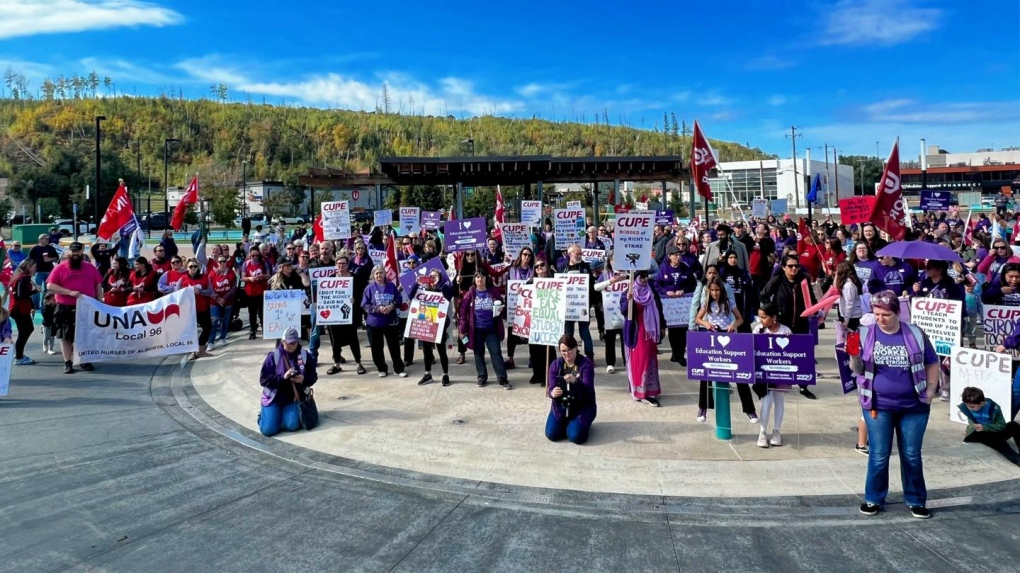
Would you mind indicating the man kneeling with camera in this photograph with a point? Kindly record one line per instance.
(572, 390)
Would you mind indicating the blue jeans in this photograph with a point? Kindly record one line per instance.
(40, 281)
(589, 348)
(275, 418)
(909, 426)
(1016, 397)
(575, 430)
(314, 338)
(488, 338)
(220, 321)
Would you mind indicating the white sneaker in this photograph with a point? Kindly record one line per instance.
(403, 374)
(221, 342)
(382, 374)
(763, 440)
(51, 352)
(209, 347)
(776, 439)
(610, 369)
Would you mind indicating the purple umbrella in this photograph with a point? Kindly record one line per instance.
(919, 250)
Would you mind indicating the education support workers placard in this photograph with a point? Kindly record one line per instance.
(720, 356)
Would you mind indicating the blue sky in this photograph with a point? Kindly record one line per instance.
(849, 73)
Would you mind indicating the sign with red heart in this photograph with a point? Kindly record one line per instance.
(334, 301)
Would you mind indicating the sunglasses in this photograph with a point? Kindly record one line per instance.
(882, 299)
(792, 266)
(1001, 247)
(539, 266)
(192, 266)
(175, 262)
(290, 248)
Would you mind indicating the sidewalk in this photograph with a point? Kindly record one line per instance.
(490, 434)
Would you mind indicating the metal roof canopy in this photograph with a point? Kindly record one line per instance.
(495, 170)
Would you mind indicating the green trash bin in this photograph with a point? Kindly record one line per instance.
(29, 234)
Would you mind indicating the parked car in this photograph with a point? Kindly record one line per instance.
(154, 222)
(256, 220)
(288, 221)
(66, 227)
(20, 220)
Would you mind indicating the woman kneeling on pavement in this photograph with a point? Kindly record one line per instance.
(572, 391)
(288, 375)
(898, 373)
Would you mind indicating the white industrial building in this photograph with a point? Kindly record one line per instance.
(742, 181)
(938, 157)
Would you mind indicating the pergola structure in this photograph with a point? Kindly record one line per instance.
(490, 171)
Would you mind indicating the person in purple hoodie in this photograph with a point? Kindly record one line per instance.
(676, 279)
(892, 274)
(480, 325)
(380, 302)
(288, 374)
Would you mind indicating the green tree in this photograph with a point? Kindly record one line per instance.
(222, 204)
(6, 211)
(870, 168)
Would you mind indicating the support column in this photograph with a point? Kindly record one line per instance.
(538, 188)
(378, 196)
(723, 424)
(459, 200)
(595, 203)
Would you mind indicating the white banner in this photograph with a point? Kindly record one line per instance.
(997, 323)
(516, 236)
(427, 316)
(591, 256)
(6, 356)
(521, 326)
(677, 310)
(334, 301)
(410, 221)
(336, 220)
(578, 303)
(759, 208)
(548, 312)
(988, 371)
(281, 309)
(940, 319)
(531, 213)
(634, 234)
(568, 225)
(383, 217)
(162, 327)
(611, 304)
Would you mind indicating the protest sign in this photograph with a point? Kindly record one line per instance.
(383, 217)
(574, 205)
(784, 359)
(720, 357)
(464, 234)
(426, 317)
(410, 221)
(409, 277)
(6, 355)
(935, 200)
(378, 257)
(162, 327)
(334, 301)
(318, 273)
(516, 236)
(940, 319)
(498, 277)
(759, 208)
(281, 309)
(521, 325)
(430, 220)
(611, 297)
(531, 213)
(336, 220)
(591, 256)
(513, 291)
(989, 371)
(677, 310)
(608, 242)
(664, 218)
(578, 303)
(568, 225)
(997, 323)
(549, 311)
(847, 378)
(779, 206)
(855, 209)
(634, 235)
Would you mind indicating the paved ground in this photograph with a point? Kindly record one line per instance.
(130, 469)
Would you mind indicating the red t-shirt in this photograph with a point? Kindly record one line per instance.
(202, 282)
(83, 280)
(223, 283)
(150, 284)
(809, 258)
(116, 290)
(162, 267)
(255, 286)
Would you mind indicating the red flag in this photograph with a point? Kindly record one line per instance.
(890, 209)
(118, 214)
(317, 228)
(500, 213)
(392, 270)
(968, 234)
(702, 161)
(190, 198)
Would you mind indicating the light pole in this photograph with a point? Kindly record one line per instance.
(244, 189)
(166, 183)
(99, 177)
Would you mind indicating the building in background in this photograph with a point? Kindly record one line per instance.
(985, 171)
(742, 181)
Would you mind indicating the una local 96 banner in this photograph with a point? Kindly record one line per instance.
(162, 327)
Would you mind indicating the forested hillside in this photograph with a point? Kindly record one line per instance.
(47, 145)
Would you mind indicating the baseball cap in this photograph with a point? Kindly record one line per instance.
(291, 335)
(75, 246)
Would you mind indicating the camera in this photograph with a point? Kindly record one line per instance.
(567, 400)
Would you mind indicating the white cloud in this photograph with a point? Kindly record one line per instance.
(124, 72)
(906, 111)
(211, 69)
(19, 18)
(777, 100)
(877, 22)
(33, 71)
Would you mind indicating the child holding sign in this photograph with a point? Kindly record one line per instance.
(770, 394)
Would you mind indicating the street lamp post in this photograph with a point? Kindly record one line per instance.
(166, 182)
(99, 177)
(244, 189)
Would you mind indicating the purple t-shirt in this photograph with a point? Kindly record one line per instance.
(483, 310)
(894, 385)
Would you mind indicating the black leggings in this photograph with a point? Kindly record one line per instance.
(389, 336)
(205, 323)
(25, 329)
(254, 312)
(611, 336)
(337, 333)
(678, 341)
(512, 342)
(706, 398)
(541, 358)
(440, 347)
